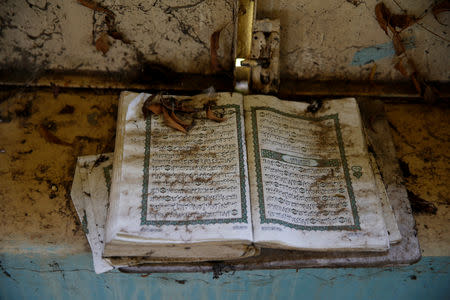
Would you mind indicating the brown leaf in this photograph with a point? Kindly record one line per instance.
(212, 116)
(383, 15)
(399, 67)
(179, 121)
(416, 83)
(214, 47)
(440, 8)
(113, 32)
(50, 137)
(155, 108)
(398, 44)
(392, 21)
(147, 103)
(102, 43)
(95, 6)
(402, 21)
(118, 36)
(171, 122)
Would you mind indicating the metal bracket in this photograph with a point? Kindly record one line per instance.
(265, 56)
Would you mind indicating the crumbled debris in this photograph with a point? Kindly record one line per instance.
(99, 160)
(420, 205)
(26, 111)
(356, 3)
(50, 137)
(68, 109)
(314, 106)
(404, 167)
(219, 268)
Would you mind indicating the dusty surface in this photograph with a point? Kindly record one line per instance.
(36, 175)
(39, 35)
(422, 137)
(36, 172)
(320, 39)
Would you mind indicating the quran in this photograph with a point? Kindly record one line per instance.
(272, 175)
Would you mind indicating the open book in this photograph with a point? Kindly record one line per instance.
(271, 175)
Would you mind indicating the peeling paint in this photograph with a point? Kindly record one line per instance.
(376, 52)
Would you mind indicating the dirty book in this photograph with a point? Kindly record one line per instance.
(271, 174)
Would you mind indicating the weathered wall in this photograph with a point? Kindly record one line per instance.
(341, 39)
(50, 277)
(61, 35)
(320, 40)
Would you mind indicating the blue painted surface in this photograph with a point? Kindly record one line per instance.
(36, 276)
(376, 52)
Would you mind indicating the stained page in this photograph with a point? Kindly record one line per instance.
(312, 186)
(86, 202)
(388, 213)
(171, 187)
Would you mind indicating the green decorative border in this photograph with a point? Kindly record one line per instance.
(263, 218)
(145, 182)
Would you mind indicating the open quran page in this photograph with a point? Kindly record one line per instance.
(170, 189)
(312, 185)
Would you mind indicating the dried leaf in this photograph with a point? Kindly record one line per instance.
(97, 7)
(155, 108)
(179, 121)
(383, 15)
(171, 122)
(102, 43)
(398, 44)
(212, 116)
(416, 83)
(402, 21)
(50, 137)
(399, 67)
(440, 8)
(118, 36)
(113, 32)
(148, 106)
(392, 21)
(214, 47)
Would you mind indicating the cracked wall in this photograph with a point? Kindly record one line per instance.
(341, 39)
(60, 35)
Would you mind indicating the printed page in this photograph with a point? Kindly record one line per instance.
(172, 187)
(312, 186)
